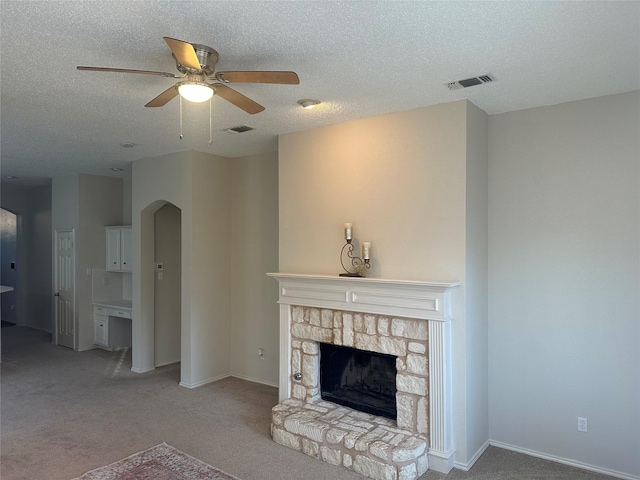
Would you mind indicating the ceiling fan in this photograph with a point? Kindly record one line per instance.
(196, 63)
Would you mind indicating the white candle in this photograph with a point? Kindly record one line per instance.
(366, 250)
(348, 231)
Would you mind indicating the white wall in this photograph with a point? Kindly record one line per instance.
(564, 231)
(156, 181)
(476, 285)
(254, 249)
(402, 180)
(198, 184)
(100, 200)
(86, 203)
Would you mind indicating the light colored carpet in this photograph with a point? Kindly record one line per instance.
(162, 462)
(64, 413)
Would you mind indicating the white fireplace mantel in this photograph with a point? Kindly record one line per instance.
(429, 301)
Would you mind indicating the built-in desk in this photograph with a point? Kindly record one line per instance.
(112, 324)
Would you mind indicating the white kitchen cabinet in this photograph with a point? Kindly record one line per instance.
(101, 326)
(119, 249)
(112, 326)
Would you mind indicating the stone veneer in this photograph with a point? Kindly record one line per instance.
(371, 445)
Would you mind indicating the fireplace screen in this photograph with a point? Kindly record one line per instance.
(358, 379)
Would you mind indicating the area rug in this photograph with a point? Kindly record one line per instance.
(162, 462)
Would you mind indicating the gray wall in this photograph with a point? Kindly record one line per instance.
(564, 280)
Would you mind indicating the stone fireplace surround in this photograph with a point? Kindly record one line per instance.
(407, 319)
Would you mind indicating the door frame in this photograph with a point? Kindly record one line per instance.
(55, 284)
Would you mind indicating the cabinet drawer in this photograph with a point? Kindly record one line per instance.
(119, 312)
(100, 310)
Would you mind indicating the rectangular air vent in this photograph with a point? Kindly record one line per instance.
(240, 129)
(470, 82)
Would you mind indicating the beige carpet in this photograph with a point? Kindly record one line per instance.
(162, 462)
(64, 413)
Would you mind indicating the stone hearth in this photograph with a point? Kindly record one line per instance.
(408, 320)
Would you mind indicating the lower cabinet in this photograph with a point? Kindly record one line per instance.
(119, 318)
(101, 330)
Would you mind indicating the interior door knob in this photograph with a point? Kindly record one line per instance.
(57, 294)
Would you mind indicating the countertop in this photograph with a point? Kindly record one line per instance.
(110, 303)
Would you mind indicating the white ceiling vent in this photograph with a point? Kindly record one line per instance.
(240, 129)
(470, 82)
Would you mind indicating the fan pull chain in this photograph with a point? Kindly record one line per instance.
(210, 122)
(180, 98)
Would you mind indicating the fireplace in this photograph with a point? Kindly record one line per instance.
(407, 321)
(364, 381)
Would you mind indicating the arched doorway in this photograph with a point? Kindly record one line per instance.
(167, 284)
(158, 326)
(9, 261)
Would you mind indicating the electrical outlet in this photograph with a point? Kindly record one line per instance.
(261, 353)
(582, 424)
(105, 280)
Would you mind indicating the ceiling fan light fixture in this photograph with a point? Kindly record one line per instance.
(308, 103)
(195, 92)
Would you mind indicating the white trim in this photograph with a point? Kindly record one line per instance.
(204, 382)
(164, 364)
(142, 370)
(442, 462)
(253, 380)
(429, 301)
(467, 466)
(400, 298)
(565, 461)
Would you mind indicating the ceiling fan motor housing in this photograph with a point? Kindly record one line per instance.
(207, 57)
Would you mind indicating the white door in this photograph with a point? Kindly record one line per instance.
(65, 288)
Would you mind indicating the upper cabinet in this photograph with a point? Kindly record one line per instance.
(119, 249)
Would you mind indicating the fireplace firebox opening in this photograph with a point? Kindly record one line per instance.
(359, 379)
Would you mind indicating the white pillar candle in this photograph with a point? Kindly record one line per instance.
(348, 231)
(366, 250)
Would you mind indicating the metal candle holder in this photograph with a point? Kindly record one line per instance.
(356, 261)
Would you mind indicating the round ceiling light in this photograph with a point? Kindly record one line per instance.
(195, 92)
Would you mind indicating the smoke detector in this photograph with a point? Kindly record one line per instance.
(470, 82)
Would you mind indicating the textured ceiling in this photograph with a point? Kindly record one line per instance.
(359, 58)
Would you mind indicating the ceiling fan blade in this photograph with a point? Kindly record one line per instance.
(184, 52)
(127, 70)
(288, 78)
(239, 100)
(163, 98)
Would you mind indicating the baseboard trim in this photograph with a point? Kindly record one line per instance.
(441, 462)
(467, 466)
(227, 375)
(204, 382)
(254, 380)
(142, 370)
(170, 362)
(565, 461)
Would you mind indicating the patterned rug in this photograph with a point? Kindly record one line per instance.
(162, 462)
